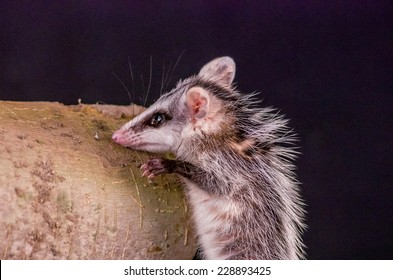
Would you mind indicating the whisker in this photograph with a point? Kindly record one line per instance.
(132, 85)
(143, 90)
(125, 87)
(162, 78)
(174, 67)
(167, 75)
(150, 77)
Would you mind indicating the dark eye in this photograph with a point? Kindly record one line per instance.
(157, 119)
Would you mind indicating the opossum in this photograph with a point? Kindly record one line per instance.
(236, 161)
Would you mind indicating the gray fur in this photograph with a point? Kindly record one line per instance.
(238, 174)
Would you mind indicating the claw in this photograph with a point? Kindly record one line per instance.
(153, 167)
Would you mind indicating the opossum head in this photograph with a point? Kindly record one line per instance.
(190, 111)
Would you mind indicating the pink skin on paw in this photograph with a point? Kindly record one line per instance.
(152, 168)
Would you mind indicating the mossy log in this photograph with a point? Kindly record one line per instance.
(68, 192)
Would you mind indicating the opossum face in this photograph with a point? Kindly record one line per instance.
(155, 130)
(187, 112)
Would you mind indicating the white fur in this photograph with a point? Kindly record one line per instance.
(207, 212)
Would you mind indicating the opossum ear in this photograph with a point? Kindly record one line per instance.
(197, 102)
(220, 70)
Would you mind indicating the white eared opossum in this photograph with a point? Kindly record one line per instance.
(235, 161)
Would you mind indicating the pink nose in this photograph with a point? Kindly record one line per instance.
(116, 136)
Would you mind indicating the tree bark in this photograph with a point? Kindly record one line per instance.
(68, 192)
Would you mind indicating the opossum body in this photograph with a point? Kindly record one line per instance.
(235, 161)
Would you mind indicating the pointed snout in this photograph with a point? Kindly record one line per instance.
(117, 136)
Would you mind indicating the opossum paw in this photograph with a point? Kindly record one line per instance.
(154, 167)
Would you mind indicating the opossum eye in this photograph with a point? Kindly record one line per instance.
(157, 119)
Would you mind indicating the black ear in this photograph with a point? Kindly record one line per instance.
(220, 70)
(197, 101)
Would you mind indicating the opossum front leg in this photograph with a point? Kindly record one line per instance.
(158, 166)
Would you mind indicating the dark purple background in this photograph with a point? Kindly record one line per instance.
(328, 67)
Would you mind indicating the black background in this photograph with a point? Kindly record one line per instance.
(327, 65)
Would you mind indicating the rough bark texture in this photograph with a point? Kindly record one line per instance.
(68, 192)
